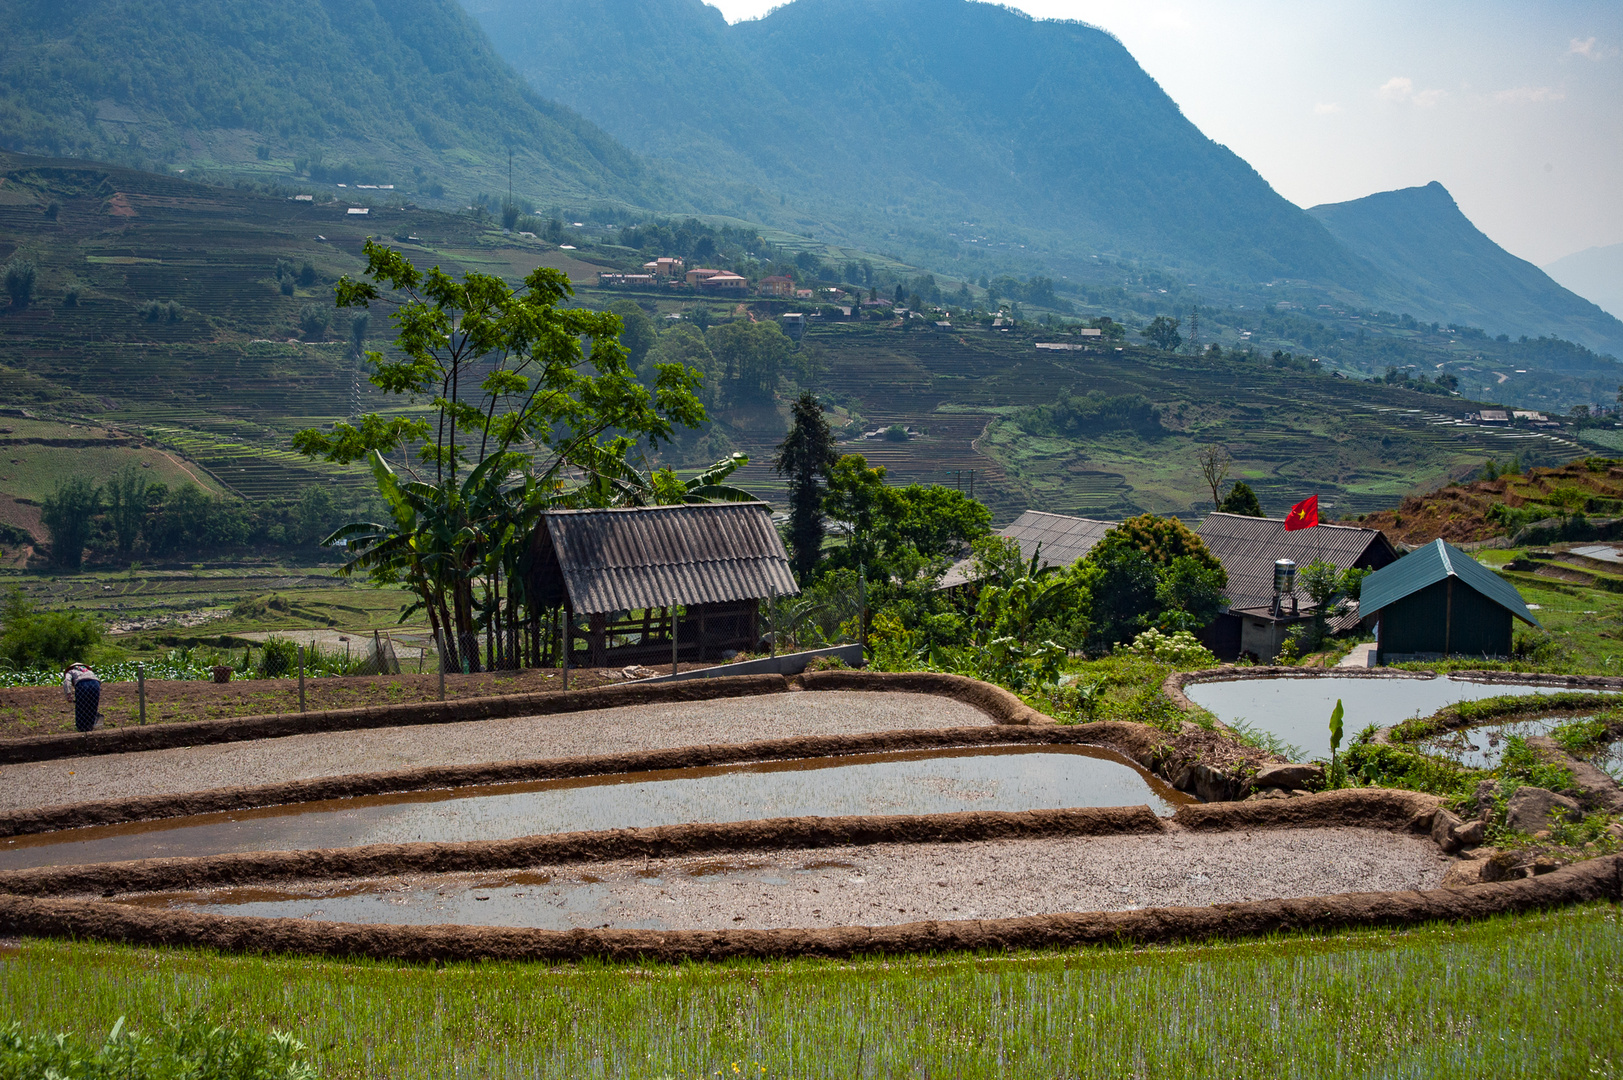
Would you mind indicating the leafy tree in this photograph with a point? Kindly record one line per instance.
(753, 356)
(307, 274)
(532, 402)
(314, 320)
(20, 279)
(685, 344)
(937, 522)
(639, 332)
(126, 507)
(1093, 413)
(1190, 593)
(1163, 333)
(805, 457)
(315, 515)
(1162, 539)
(359, 323)
(66, 514)
(1152, 570)
(1121, 580)
(1241, 500)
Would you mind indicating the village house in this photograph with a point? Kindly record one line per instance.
(1437, 602)
(1251, 549)
(723, 283)
(778, 285)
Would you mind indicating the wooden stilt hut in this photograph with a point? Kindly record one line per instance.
(630, 579)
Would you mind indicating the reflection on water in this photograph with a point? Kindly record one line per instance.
(1609, 760)
(1483, 746)
(915, 782)
(1298, 710)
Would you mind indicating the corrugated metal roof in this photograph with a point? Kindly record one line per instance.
(705, 553)
(1248, 547)
(1063, 540)
(1436, 562)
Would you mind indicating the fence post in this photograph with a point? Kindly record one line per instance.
(771, 619)
(564, 633)
(673, 635)
(439, 647)
(141, 689)
(301, 678)
(862, 610)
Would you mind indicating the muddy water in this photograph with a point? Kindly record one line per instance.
(917, 782)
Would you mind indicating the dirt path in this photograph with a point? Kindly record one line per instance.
(598, 731)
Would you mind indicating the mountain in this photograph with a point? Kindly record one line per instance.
(1595, 274)
(406, 92)
(1451, 272)
(965, 130)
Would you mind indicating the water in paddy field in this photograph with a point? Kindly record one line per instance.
(1483, 746)
(914, 782)
(1298, 710)
(1609, 760)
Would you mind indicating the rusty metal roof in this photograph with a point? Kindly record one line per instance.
(1063, 540)
(1248, 547)
(703, 553)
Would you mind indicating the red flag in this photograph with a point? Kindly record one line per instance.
(1304, 515)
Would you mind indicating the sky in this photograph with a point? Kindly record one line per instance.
(1516, 108)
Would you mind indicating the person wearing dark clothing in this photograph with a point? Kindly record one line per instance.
(82, 688)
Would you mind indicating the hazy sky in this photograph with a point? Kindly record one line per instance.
(1517, 108)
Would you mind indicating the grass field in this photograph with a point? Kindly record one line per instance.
(1526, 996)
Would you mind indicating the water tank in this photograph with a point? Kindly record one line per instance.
(1284, 577)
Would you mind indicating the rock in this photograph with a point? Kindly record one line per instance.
(1289, 777)
(1268, 793)
(1443, 824)
(1544, 864)
(1501, 866)
(1615, 830)
(1470, 834)
(1463, 874)
(1212, 785)
(1483, 798)
(1532, 809)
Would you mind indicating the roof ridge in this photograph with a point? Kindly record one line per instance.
(1442, 551)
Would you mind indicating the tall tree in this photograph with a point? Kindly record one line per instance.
(1215, 463)
(127, 507)
(806, 456)
(1163, 333)
(66, 514)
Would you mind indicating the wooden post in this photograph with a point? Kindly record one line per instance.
(439, 643)
(301, 678)
(141, 689)
(772, 620)
(565, 632)
(1448, 619)
(673, 635)
(862, 609)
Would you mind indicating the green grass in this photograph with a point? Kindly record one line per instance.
(1532, 995)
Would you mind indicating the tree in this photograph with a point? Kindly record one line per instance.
(858, 499)
(1215, 463)
(530, 401)
(1152, 570)
(359, 323)
(31, 639)
(805, 457)
(66, 514)
(1241, 500)
(638, 333)
(753, 356)
(1161, 539)
(1190, 594)
(314, 320)
(1163, 334)
(684, 344)
(127, 507)
(1122, 582)
(20, 279)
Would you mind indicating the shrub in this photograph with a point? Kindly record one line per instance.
(20, 278)
(66, 514)
(287, 286)
(1179, 650)
(279, 657)
(31, 639)
(71, 297)
(52, 210)
(307, 274)
(161, 311)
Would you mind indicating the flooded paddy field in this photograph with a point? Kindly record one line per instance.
(882, 884)
(913, 782)
(1297, 710)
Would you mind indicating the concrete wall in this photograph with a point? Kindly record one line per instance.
(786, 664)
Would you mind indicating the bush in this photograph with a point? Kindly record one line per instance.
(71, 297)
(1179, 650)
(279, 658)
(287, 286)
(20, 278)
(31, 639)
(307, 274)
(191, 1049)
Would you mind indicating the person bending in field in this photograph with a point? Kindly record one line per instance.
(83, 689)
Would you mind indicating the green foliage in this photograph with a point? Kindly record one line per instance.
(1179, 650)
(20, 278)
(893, 531)
(1583, 736)
(1189, 593)
(1093, 414)
(1147, 571)
(1521, 765)
(32, 639)
(278, 658)
(1163, 333)
(753, 357)
(1387, 765)
(638, 334)
(126, 496)
(66, 514)
(313, 321)
(1241, 500)
(187, 1049)
(805, 458)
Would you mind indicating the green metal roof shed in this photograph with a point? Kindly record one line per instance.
(1438, 601)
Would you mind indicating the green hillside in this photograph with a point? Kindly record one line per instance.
(963, 132)
(1451, 272)
(407, 93)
